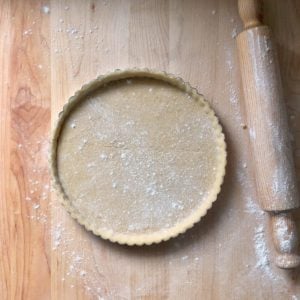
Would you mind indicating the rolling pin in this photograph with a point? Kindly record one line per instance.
(267, 122)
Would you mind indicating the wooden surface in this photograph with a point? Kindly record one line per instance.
(47, 51)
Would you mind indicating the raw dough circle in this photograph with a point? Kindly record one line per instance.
(137, 156)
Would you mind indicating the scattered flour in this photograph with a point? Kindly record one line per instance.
(261, 250)
(252, 207)
(80, 264)
(27, 32)
(103, 156)
(252, 133)
(114, 185)
(284, 235)
(57, 235)
(35, 206)
(46, 9)
(151, 191)
(33, 152)
(234, 33)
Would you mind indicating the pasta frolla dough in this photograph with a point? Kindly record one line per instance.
(137, 156)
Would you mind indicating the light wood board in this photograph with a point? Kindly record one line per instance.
(47, 51)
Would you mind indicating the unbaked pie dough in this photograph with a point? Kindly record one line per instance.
(137, 156)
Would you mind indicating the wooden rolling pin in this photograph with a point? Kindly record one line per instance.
(268, 132)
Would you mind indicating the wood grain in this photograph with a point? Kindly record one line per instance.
(72, 43)
(25, 119)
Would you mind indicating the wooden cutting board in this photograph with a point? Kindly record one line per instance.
(47, 51)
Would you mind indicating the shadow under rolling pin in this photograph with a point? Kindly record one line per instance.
(268, 131)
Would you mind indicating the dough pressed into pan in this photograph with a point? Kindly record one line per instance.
(137, 156)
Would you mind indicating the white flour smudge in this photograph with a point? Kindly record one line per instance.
(46, 9)
(261, 250)
(284, 235)
(252, 133)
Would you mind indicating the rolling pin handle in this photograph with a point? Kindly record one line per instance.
(285, 238)
(250, 12)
